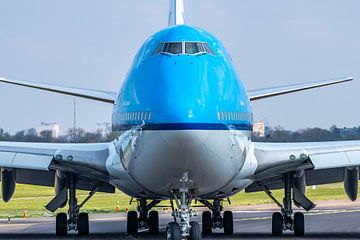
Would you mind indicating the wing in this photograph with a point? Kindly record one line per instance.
(102, 96)
(36, 163)
(323, 162)
(42, 156)
(96, 167)
(276, 91)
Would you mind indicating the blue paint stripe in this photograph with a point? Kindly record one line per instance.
(186, 126)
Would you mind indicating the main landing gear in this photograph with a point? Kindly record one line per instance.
(145, 219)
(212, 220)
(286, 219)
(74, 220)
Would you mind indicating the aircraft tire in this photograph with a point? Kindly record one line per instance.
(83, 224)
(154, 222)
(195, 232)
(61, 224)
(132, 222)
(173, 231)
(228, 223)
(277, 224)
(299, 224)
(206, 222)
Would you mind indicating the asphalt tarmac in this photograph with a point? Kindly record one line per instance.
(320, 224)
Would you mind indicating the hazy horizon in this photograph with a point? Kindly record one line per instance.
(91, 44)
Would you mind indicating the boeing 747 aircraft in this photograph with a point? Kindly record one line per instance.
(182, 125)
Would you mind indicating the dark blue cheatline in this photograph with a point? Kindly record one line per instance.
(186, 126)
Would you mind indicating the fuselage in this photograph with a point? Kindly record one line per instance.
(187, 111)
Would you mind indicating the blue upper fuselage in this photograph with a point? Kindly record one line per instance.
(182, 91)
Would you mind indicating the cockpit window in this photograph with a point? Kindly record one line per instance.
(193, 48)
(159, 49)
(208, 49)
(189, 48)
(173, 48)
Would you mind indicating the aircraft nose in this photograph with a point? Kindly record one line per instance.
(184, 139)
(208, 156)
(183, 112)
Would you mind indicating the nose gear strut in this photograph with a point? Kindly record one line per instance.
(183, 197)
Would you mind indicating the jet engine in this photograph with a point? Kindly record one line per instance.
(351, 181)
(8, 183)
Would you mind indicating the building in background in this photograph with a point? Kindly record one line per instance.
(54, 128)
(349, 132)
(259, 129)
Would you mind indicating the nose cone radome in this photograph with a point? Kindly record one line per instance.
(185, 139)
(204, 154)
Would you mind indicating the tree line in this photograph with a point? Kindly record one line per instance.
(279, 134)
(275, 134)
(72, 135)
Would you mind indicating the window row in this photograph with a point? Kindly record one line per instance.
(135, 116)
(178, 48)
(235, 116)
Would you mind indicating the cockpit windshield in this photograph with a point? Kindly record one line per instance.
(186, 48)
(173, 48)
(193, 48)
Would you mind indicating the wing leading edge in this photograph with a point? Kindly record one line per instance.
(324, 161)
(40, 156)
(102, 96)
(322, 155)
(286, 89)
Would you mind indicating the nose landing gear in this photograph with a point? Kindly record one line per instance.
(185, 228)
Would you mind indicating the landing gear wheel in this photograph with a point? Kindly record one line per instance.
(299, 224)
(61, 224)
(173, 231)
(228, 223)
(132, 222)
(277, 224)
(195, 232)
(83, 224)
(153, 222)
(206, 222)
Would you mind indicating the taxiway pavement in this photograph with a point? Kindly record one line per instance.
(320, 224)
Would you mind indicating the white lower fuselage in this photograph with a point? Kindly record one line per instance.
(218, 162)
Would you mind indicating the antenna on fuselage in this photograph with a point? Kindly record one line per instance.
(176, 13)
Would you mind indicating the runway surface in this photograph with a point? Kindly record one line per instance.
(320, 224)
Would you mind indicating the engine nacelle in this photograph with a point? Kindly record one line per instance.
(351, 181)
(8, 183)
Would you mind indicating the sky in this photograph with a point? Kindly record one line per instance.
(91, 44)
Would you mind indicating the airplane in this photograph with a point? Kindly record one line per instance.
(182, 125)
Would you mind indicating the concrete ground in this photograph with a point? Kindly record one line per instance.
(328, 221)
